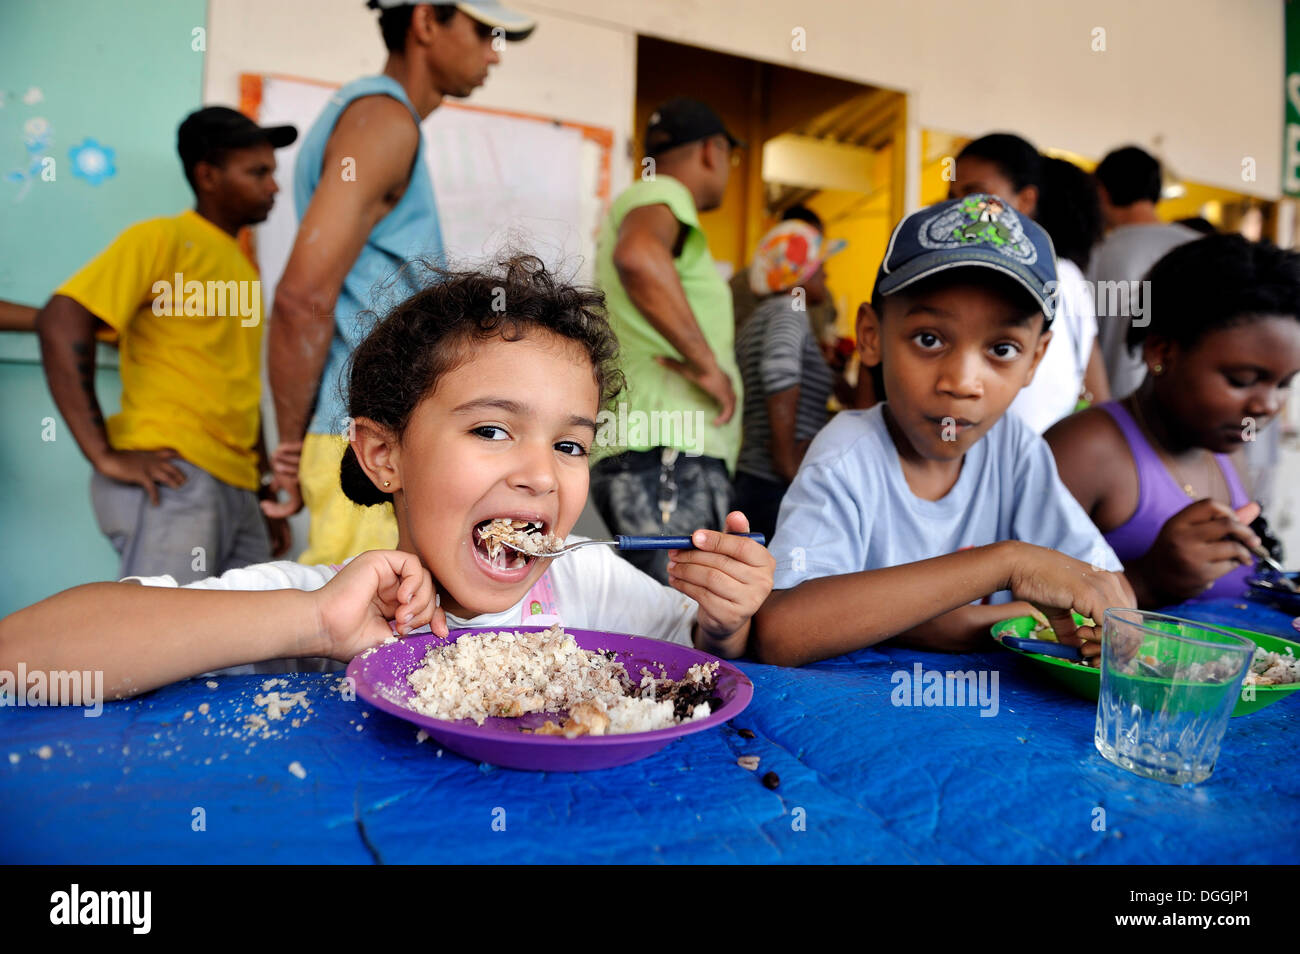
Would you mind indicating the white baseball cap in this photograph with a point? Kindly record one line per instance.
(488, 12)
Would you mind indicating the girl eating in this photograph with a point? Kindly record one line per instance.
(1160, 471)
(476, 399)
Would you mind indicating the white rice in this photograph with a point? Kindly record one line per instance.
(508, 674)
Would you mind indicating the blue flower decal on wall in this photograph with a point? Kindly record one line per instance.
(92, 162)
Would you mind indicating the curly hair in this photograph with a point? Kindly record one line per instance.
(435, 330)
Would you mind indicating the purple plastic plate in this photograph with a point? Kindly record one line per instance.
(381, 680)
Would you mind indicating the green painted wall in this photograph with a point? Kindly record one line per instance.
(122, 73)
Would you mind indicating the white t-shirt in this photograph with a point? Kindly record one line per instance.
(593, 588)
(1055, 389)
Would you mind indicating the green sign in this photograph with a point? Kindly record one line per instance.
(1291, 132)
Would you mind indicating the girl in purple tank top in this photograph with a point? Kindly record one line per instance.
(1155, 471)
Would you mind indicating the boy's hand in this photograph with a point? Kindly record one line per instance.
(354, 608)
(1057, 584)
(729, 576)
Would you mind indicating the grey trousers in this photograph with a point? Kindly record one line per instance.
(202, 528)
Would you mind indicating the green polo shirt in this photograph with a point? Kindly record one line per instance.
(658, 407)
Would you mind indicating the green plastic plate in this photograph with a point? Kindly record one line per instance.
(1085, 682)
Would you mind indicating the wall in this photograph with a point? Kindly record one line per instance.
(1204, 74)
(63, 64)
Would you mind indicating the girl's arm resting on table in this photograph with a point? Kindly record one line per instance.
(143, 637)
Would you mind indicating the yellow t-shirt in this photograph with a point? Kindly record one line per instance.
(187, 306)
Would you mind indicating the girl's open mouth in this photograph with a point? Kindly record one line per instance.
(501, 562)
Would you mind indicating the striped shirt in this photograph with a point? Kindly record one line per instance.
(776, 351)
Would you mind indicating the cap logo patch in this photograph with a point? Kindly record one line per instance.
(978, 220)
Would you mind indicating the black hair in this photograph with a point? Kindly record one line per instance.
(1069, 210)
(431, 333)
(1015, 158)
(801, 213)
(1130, 175)
(395, 21)
(1199, 224)
(1216, 282)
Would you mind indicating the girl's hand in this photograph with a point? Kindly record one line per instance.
(1195, 547)
(353, 609)
(729, 576)
(1057, 584)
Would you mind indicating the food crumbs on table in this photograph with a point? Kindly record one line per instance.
(440, 753)
(749, 762)
(297, 769)
(44, 752)
(13, 758)
(421, 736)
(365, 715)
(360, 727)
(745, 733)
(771, 780)
(189, 714)
(203, 708)
(211, 684)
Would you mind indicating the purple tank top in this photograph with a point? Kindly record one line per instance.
(1160, 497)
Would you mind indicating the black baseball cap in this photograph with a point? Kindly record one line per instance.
(680, 121)
(214, 128)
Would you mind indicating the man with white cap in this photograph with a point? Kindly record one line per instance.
(365, 204)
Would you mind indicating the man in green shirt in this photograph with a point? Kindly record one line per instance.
(663, 457)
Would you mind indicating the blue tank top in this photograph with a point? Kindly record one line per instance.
(409, 230)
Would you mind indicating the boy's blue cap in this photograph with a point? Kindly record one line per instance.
(978, 230)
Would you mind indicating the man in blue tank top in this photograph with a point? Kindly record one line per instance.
(365, 206)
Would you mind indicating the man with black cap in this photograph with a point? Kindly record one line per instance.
(365, 206)
(178, 470)
(663, 467)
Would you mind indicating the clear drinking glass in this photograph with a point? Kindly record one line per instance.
(1168, 687)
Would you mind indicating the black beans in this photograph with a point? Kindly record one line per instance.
(771, 780)
(746, 733)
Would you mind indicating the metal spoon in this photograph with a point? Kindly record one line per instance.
(1283, 581)
(624, 542)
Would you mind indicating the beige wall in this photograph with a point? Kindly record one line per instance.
(1205, 75)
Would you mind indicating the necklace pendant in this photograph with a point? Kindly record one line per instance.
(1187, 489)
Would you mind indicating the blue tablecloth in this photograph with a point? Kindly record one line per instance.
(861, 780)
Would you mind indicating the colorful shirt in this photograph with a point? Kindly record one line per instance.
(187, 306)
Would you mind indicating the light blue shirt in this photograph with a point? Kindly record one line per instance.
(850, 508)
(376, 280)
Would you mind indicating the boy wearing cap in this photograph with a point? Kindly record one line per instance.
(869, 536)
(365, 208)
(178, 470)
(672, 312)
(787, 380)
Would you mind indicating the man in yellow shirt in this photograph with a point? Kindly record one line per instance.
(179, 470)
